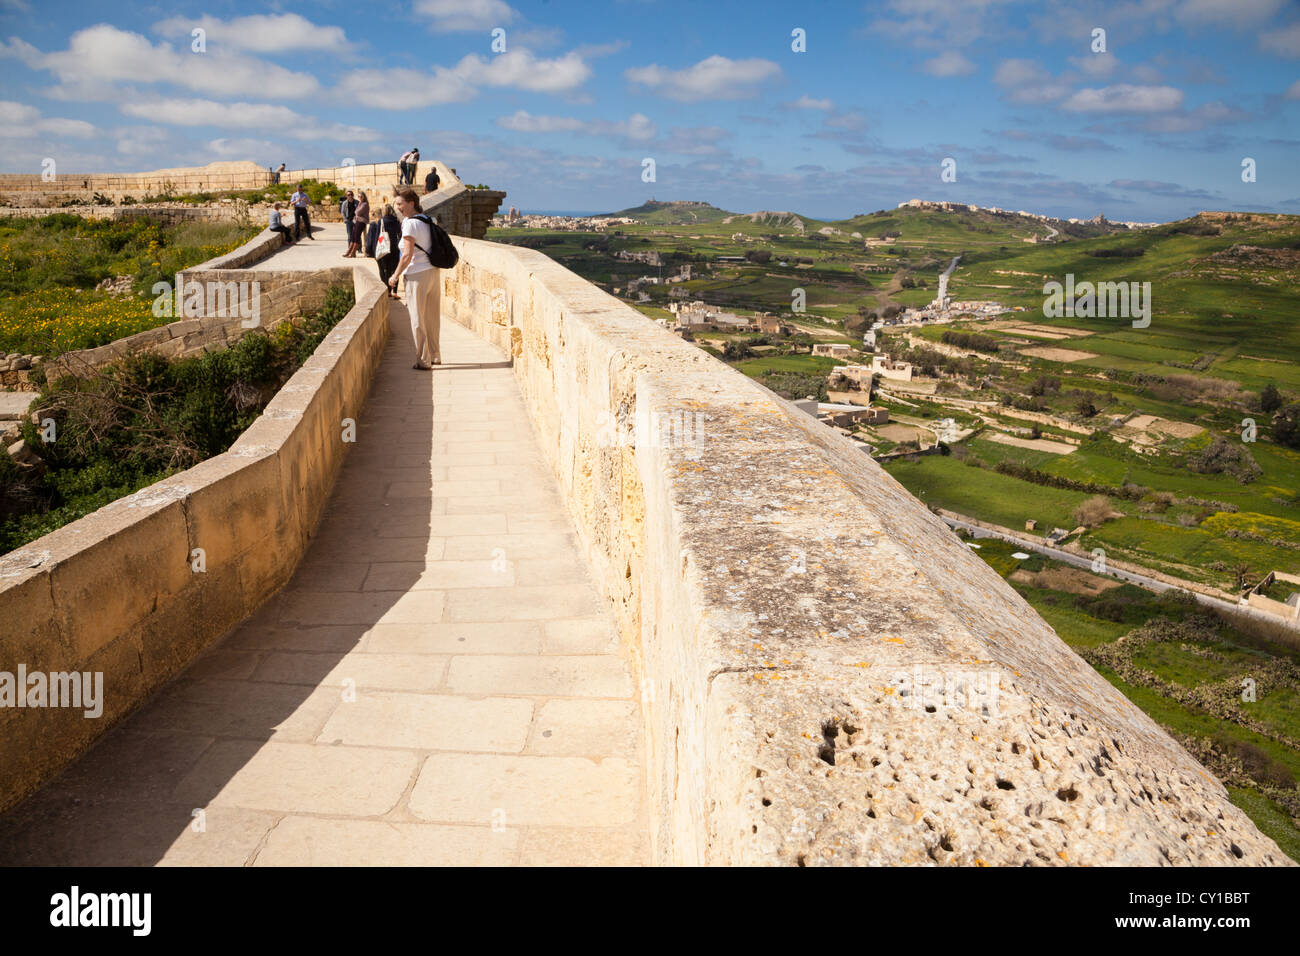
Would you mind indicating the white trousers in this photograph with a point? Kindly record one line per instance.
(424, 302)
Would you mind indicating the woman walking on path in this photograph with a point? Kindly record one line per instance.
(360, 217)
(423, 296)
(391, 226)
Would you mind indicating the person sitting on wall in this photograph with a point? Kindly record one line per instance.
(431, 181)
(277, 225)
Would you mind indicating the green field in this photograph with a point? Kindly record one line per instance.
(1215, 653)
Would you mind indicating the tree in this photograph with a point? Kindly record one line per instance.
(1270, 399)
(1286, 426)
(1085, 408)
(734, 351)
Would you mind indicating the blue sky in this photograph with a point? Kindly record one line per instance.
(1155, 128)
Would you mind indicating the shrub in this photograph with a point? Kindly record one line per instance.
(138, 420)
(1221, 456)
(1094, 512)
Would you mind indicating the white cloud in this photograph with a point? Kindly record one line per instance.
(1125, 98)
(1283, 42)
(20, 121)
(636, 127)
(182, 112)
(1293, 91)
(259, 33)
(251, 116)
(520, 70)
(240, 148)
(1095, 66)
(404, 89)
(102, 55)
(713, 78)
(941, 24)
(1026, 81)
(141, 140)
(462, 16)
(1186, 121)
(852, 120)
(806, 102)
(18, 49)
(1229, 12)
(317, 131)
(948, 63)
(523, 122)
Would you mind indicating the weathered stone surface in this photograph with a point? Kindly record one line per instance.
(121, 586)
(793, 611)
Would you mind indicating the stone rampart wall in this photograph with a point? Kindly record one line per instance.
(829, 675)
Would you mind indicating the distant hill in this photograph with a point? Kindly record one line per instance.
(789, 219)
(673, 213)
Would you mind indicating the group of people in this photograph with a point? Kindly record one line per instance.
(406, 257)
(406, 166)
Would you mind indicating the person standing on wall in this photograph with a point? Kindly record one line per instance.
(411, 165)
(423, 296)
(360, 216)
(402, 165)
(387, 255)
(300, 202)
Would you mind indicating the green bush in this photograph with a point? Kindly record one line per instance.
(145, 417)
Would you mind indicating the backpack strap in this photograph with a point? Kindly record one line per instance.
(427, 221)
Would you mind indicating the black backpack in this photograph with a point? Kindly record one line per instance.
(443, 254)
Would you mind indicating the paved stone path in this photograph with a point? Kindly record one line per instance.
(439, 684)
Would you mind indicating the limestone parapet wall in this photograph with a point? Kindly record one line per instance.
(829, 675)
(462, 211)
(114, 592)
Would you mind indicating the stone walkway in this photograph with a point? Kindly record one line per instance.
(439, 684)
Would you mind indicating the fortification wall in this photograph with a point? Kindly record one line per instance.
(829, 675)
(463, 211)
(114, 592)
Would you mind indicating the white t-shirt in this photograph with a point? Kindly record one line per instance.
(423, 236)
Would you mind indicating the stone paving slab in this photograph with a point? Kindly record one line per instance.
(439, 684)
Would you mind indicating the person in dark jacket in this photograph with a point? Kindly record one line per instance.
(431, 181)
(392, 226)
(360, 216)
(347, 207)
